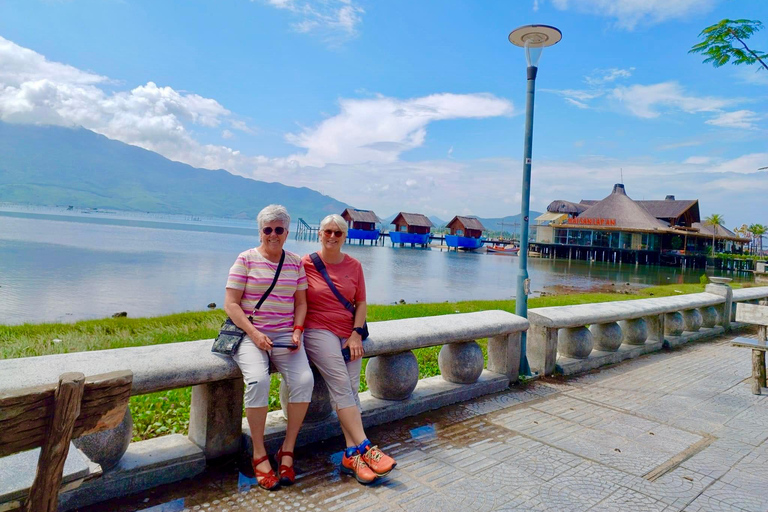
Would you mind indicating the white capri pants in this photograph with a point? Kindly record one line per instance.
(343, 379)
(292, 365)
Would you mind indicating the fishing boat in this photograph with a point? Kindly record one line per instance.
(500, 249)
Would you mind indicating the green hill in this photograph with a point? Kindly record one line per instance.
(51, 165)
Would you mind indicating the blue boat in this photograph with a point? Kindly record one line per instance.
(398, 237)
(463, 242)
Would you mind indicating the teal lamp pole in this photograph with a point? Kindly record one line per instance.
(534, 38)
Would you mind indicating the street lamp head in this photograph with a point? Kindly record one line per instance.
(534, 38)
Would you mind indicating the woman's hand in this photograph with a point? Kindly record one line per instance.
(262, 341)
(355, 344)
(296, 339)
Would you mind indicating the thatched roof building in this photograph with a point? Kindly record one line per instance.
(469, 226)
(412, 223)
(360, 219)
(560, 206)
(619, 212)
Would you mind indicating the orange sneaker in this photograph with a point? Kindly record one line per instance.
(355, 465)
(378, 461)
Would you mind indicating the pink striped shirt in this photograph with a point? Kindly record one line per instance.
(253, 274)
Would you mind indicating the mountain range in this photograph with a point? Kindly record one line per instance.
(51, 165)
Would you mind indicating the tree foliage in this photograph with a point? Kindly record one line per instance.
(715, 220)
(726, 40)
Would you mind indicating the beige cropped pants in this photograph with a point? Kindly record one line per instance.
(343, 379)
(292, 365)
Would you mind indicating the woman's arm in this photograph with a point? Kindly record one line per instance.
(299, 314)
(235, 312)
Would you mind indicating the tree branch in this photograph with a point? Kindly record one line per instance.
(748, 49)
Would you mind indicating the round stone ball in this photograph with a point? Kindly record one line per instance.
(606, 337)
(692, 320)
(709, 317)
(107, 448)
(674, 324)
(392, 377)
(635, 331)
(319, 408)
(574, 342)
(461, 363)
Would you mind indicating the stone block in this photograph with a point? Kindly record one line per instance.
(106, 448)
(214, 417)
(461, 363)
(541, 349)
(392, 377)
(504, 354)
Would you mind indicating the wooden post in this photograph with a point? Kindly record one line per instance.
(44, 494)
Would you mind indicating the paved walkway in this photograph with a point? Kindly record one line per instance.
(670, 431)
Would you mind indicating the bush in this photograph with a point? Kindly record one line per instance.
(703, 279)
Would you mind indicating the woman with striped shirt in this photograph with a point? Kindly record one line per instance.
(275, 333)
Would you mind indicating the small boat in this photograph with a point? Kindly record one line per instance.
(500, 249)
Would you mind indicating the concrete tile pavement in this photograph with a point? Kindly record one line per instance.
(671, 431)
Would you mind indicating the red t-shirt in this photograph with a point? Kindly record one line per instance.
(324, 311)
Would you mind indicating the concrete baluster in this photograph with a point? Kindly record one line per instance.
(392, 377)
(504, 355)
(692, 320)
(634, 332)
(674, 324)
(709, 317)
(725, 291)
(606, 337)
(655, 328)
(461, 363)
(574, 342)
(215, 417)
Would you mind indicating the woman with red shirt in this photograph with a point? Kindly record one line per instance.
(331, 328)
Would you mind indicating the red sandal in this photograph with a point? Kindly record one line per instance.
(266, 479)
(287, 473)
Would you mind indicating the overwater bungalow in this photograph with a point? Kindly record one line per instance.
(410, 228)
(619, 229)
(466, 233)
(362, 225)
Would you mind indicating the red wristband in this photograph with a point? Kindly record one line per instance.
(298, 327)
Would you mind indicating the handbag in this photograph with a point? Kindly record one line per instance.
(230, 335)
(320, 266)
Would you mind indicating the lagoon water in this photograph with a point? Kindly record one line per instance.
(60, 266)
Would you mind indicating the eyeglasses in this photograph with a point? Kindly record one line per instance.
(279, 230)
(329, 232)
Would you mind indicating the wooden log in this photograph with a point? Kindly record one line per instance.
(44, 494)
(758, 371)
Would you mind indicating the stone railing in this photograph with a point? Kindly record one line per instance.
(216, 426)
(572, 339)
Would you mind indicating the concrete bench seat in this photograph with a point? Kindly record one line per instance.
(605, 312)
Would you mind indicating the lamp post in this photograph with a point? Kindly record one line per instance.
(534, 38)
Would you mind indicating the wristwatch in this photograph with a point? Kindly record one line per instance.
(358, 330)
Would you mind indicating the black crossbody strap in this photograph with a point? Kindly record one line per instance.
(272, 286)
(320, 266)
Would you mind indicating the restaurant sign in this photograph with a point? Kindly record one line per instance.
(592, 222)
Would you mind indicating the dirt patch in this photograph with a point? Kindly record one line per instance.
(618, 288)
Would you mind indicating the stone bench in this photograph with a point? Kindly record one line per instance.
(572, 339)
(216, 428)
(755, 315)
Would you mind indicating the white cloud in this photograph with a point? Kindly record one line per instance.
(754, 75)
(380, 129)
(333, 19)
(646, 100)
(603, 76)
(630, 13)
(226, 134)
(698, 160)
(738, 119)
(576, 103)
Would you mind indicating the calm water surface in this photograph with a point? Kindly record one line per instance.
(64, 268)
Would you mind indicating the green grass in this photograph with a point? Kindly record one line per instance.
(167, 412)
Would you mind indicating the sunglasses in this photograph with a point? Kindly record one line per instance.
(329, 232)
(278, 230)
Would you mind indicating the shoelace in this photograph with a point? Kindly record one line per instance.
(357, 461)
(374, 453)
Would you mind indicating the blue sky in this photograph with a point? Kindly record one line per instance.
(406, 105)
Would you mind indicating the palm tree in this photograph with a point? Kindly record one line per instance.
(714, 220)
(752, 228)
(759, 231)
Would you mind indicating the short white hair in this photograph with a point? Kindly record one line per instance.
(272, 213)
(336, 219)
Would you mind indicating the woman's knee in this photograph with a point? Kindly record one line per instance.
(300, 386)
(257, 393)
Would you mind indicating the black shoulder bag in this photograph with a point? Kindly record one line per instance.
(320, 266)
(230, 335)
